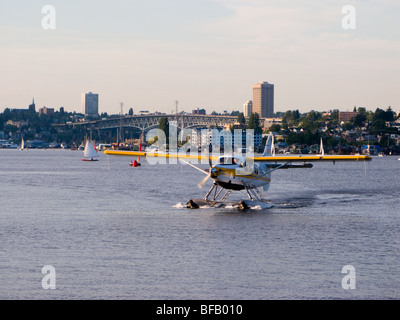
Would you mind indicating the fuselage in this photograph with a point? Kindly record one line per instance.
(232, 173)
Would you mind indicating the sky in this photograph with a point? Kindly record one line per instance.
(201, 53)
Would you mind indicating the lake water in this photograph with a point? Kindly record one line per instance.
(116, 232)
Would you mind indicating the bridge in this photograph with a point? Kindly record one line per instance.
(150, 121)
(118, 128)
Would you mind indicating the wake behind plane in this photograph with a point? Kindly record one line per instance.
(237, 172)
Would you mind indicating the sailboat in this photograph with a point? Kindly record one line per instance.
(90, 153)
(22, 145)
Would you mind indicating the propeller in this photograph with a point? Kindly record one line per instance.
(203, 182)
(205, 179)
(209, 171)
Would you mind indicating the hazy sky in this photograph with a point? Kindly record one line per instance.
(203, 53)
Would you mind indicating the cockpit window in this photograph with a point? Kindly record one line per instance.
(228, 160)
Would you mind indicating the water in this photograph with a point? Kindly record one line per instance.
(116, 232)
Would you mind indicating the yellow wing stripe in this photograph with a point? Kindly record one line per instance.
(157, 154)
(307, 158)
(292, 158)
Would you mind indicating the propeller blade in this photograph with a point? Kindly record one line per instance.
(203, 182)
(201, 170)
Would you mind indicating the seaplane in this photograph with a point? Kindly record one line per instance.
(233, 172)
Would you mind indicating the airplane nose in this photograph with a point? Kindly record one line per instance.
(213, 172)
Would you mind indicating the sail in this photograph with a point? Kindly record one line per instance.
(321, 148)
(90, 151)
(269, 146)
(22, 144)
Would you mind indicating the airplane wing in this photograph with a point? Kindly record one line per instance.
(159, 154)
(267, 156)
(263, 158)
(270, 156)
(311, 158)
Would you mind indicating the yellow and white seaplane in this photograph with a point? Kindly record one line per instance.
(236, 172)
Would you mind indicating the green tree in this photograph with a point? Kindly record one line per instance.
(274, 128)
(254, 123)
(358, 120)
(240, 119)
(7, 114)
(384, 141)
(335, 116)
(378, 126)
(290, 118)
(389, 114)
(164, 126)
(362, 110)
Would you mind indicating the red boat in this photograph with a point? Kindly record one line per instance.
(136, 163)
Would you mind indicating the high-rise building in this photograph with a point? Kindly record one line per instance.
(263, 99)
(90, 104)
(248, 108)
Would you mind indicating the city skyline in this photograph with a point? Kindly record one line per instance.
(205, 54)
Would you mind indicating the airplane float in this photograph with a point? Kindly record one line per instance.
(235, 173)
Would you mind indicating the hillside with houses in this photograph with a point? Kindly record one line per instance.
(358, 131)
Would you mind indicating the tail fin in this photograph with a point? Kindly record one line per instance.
(269, 146)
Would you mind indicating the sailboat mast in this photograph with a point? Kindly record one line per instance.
(120, 125)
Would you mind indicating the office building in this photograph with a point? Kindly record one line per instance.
(263, 99)
(248, 108)
(346, 116)
(90, 104)
(46, 110)
(199, 111)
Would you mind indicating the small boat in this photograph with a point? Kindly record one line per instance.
(136, 163)
(90, 153)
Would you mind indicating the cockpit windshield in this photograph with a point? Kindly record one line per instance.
(229, 160)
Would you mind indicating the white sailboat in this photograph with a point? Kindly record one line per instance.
(22, 144)
(90, 153)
